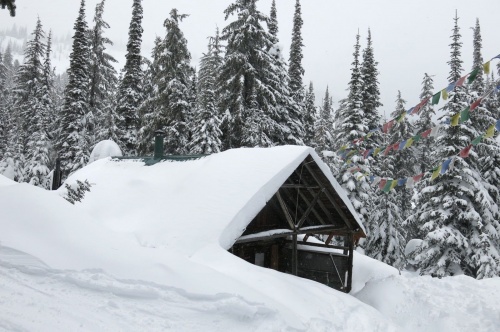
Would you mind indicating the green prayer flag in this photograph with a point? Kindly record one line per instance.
(387, 186)
(417, 138)
(465, 114)
(435, 98)
(477, 140)
(473, 75)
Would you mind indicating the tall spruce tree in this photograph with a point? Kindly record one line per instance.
(206, 134)
(323, 125)
(249, 69)
(404, 159)
(103, 81)
(370, 90)
(171, 101)
(451, 208)
(72, 142)
(296, 70)
(310, 117)
(425, 122)
(130, 95)
(353, 127)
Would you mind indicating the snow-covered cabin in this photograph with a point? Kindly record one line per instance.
(268, 206)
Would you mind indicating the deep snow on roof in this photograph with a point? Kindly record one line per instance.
(187, 205)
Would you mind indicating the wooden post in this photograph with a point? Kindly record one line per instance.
(294, 255)
(56, 176)
(350, 263)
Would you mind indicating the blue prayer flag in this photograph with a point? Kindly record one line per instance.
(445, 166)
(451, 87)
(402, 145)
(497, 126)
(401, 182)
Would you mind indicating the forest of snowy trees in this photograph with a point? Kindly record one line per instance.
(434, 176)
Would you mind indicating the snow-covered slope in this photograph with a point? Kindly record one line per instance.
(138, 254)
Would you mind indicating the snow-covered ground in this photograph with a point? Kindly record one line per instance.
(146, 250)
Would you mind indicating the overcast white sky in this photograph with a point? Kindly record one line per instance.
(410, 37)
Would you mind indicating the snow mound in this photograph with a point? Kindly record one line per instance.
(103, 149)
(5, 181)
(429, 304)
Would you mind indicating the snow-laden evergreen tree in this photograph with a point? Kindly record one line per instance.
(485, 237)
(150, 119)
(455, 209)
(353, 126)
(425, 122)
(296, 70)
(370, 90)
(206, 133)
(323, 125)
(310, 117)
(385, 234)
(130, 95)
(404, 159)
(103, 81)
(3, 113)
(72, 141)
(173, 86)
(272, 24)
(248, 63)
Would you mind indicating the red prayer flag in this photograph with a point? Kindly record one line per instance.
(475, 104)
(395, 147)
(465, 151)
(387, 126)
(426, 133)
(365, 153)
(461, 81)
(387, 150)
(382, 183)
(419, 177)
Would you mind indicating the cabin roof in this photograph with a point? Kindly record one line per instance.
(224, 191)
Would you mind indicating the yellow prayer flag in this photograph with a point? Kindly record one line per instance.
(393, 184)
(377, 151)
(490, 132)
(436, 172)
(455, 119)
(369, 135)
(343, 147)
(349, 161)
(401, 117)
(486, 67)
(444, 94)
(409, 142)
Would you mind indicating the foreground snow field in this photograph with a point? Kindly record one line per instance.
(144, 251)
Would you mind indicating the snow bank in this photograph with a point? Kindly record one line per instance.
(5, 181)
(428, 304)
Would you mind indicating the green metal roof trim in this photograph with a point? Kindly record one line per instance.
(148, 161)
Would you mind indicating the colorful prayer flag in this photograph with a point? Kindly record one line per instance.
(465, 151)
(387, 126)
(435, 98)
(387, 150)
(343, 147)
(475, 104)
(496, 57)
(393, 184)
(382, 183)
(444, 94)
(490, 132)
(410, 183)
(486, 67)
(477, 140)
(395, 146)
(426, 133)
(473, 75)
(376, 180)
(401, 117)
(461, 81)
(435, 132)
(497, 126)
(372, 178)
(464, 115)
(402, 145)
(454, 119)
(450, 87)
(402, 182)
(410, 111)
(435, 173)
(376, 152)
(419, 177)
(365, 153)
(387, 186)
(409, 142)
(417, 138)
(445, 165)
